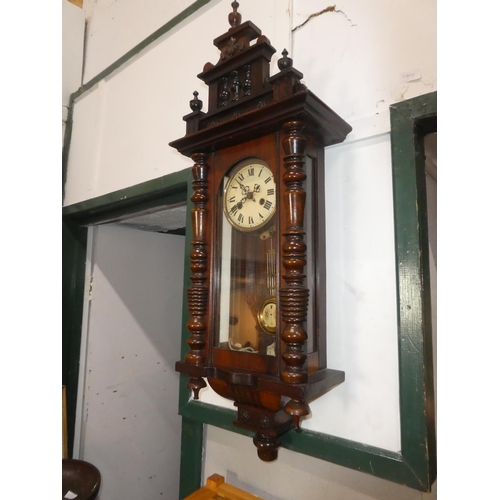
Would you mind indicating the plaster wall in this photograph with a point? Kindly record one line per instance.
(120, 25)
(121, 135)
(128, 425)
(293, 476)
(73, 29)
(359, 57)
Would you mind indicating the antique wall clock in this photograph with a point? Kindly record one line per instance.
(257, 299)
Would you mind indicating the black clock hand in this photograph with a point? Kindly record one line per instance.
(244, 189)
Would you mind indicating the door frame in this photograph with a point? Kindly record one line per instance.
(171, 189)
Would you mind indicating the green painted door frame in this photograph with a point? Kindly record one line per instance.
(168, 190)
(172, 189)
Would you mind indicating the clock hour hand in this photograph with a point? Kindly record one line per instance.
(249, 195)
(244, 189)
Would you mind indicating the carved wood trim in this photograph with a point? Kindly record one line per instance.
(294, 295)
(198, 292)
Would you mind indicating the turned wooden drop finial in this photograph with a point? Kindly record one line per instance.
(234, 17)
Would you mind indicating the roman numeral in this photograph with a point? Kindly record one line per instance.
(260, 172)
(232, 199)
(250, 172)
(241, 177)
(261, 216)
(268, 205)
(267, 180)
(250, 219)
(240, 218)
(270, 192)
(233, 210)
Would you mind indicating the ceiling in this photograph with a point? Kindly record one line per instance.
(170, 219)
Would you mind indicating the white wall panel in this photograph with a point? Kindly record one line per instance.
(361, 298)
(73, 29)
(85, 147)
(142, 104)
(130, 426)
(115, 27)
(358, 60)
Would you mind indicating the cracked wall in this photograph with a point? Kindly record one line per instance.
(365, 51)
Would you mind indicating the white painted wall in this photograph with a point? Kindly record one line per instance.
(73, 29)
(129, 427)
(122, 130)
(294, 476)
(121, 25)
(359, 60)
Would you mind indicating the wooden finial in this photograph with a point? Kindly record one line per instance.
(195, 104)
(285, 61)
(234, 17)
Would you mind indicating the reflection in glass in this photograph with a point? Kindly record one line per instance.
(247, 284)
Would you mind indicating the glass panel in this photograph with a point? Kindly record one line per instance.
(247, 280)
(310, 268)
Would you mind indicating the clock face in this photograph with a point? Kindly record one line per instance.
(267, 315)
(250, 195)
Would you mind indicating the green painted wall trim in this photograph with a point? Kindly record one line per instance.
(74, 247)
(415, 464)
(378, 462)
(169, 189)
(191, 457)
(410, 121)
(66, 142)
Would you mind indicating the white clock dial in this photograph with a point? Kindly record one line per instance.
(250, 196)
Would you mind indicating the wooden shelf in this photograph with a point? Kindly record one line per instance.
(217, 489)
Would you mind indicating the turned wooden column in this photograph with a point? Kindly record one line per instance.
(198, 292)
(294, 295)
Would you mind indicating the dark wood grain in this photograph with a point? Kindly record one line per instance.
(198, 291)
(294, 295)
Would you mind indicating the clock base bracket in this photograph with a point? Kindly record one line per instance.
(261, 400)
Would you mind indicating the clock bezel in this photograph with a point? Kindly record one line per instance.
(235, 169)
(260, 316)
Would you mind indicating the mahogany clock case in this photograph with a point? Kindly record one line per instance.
(269, 149)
